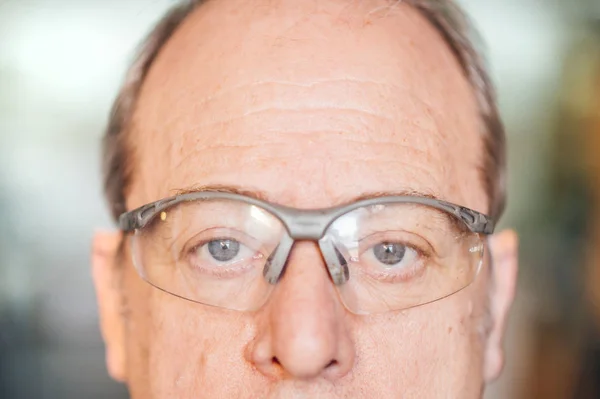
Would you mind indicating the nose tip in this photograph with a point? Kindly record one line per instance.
(305, 356)
(308, 358)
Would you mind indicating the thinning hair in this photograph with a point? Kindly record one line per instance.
(445, 15)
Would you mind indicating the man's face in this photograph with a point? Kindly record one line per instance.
(313, 103)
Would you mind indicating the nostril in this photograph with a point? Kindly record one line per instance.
(331, 364)
(329, 368)
(333, 370)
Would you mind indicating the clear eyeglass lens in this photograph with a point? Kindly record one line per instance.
(403, 255)
(209, 251)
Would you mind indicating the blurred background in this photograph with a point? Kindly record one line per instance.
(61, 63)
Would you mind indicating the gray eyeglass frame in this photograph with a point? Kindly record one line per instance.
(305, 224)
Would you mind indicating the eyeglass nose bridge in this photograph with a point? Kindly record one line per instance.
(307, 225)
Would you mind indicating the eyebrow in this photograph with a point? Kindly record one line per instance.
(263, 196)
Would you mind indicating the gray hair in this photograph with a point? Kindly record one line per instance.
(445, 15)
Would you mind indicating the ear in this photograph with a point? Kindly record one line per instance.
(504, 267)
(105, 274)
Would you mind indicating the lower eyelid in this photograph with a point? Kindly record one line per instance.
(219, 272)
(405, 275)
(222, 271)
(402, 273)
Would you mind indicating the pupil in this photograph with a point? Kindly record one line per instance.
(389, 253)
(224, 250)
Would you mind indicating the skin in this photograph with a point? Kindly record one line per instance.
(313, 104)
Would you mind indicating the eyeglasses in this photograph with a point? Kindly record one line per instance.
(229, 250)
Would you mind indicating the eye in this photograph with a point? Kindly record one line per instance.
(220, 252)
(394, 254)
(223, 250)
(389, 253)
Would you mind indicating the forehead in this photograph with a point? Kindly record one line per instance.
(311, 102)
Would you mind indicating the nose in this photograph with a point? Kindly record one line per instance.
(304, 329)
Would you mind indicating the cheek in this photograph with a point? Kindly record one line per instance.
(193, 347)
(430, 349)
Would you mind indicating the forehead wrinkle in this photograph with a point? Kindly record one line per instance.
(270, 156)
(233, 93)
(241, 158)
(348, 124)
(363, 132)
(408, 171)
(396, 122)
(278, 110)
(380, 143)
(324, 174)
(187, 156)
(278, 142)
